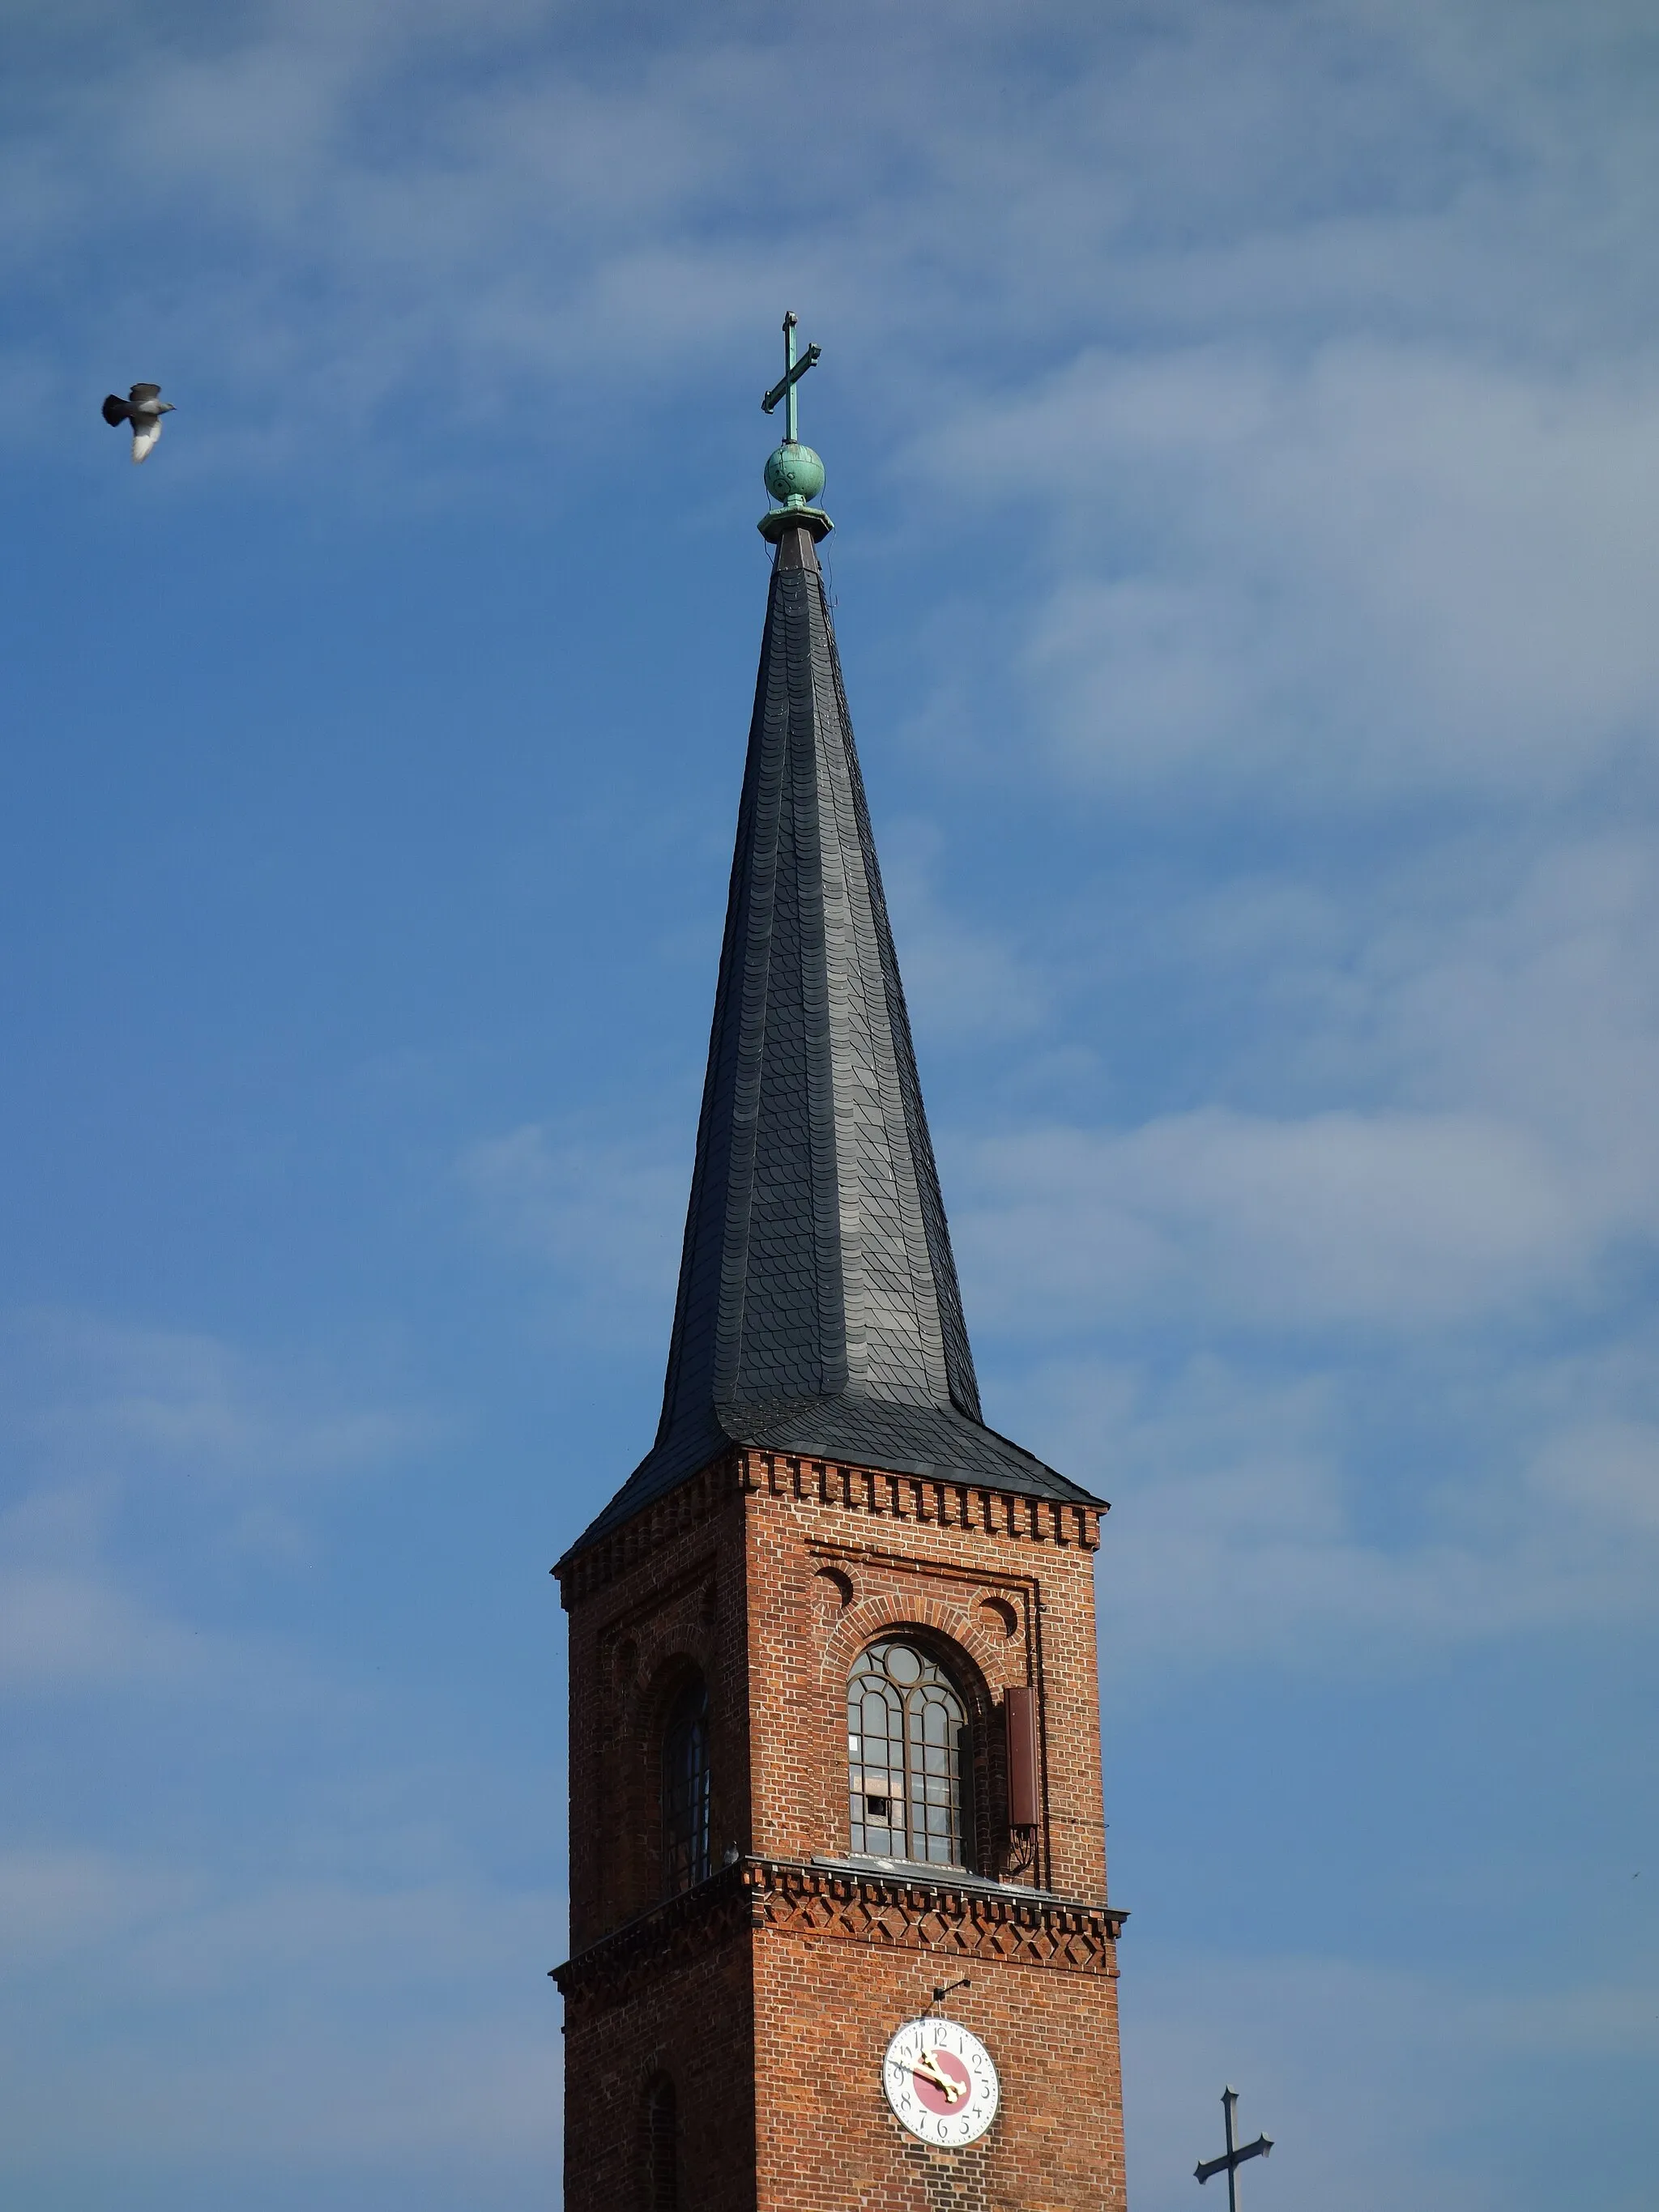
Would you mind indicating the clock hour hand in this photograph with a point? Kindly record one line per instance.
(927, 2065)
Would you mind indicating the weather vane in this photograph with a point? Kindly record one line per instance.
(794, 474)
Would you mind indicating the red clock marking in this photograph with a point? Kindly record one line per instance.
(929, 2091)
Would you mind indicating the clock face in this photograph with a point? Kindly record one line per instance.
(940, 2081)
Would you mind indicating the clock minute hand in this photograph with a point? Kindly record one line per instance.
(929, 2065)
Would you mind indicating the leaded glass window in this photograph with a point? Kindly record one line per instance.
(907, 1752)
(685, 1791)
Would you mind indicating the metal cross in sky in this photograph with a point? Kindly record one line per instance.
(1234, 2158)
(794, 371)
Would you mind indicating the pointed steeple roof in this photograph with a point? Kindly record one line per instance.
(818, 1312)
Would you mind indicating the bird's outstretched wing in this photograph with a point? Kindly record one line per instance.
(141, 392)
(146, 435)
(116, 411)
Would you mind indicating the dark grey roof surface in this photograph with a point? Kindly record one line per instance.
(818, 1310)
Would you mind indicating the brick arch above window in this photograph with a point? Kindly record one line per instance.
(664, 1675)
(890, 1612)
(658, 1648)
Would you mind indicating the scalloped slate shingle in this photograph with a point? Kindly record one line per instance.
(818, 1310)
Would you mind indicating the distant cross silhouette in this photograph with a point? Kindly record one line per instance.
(794, 371)
(1233, 2159)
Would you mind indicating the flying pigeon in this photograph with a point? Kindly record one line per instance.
(143, 407)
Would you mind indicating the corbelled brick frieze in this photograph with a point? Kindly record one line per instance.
(939, 1500)
(580, 1573)
(611, 1970)
(828, 1901)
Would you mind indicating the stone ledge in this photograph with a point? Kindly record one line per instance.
(922, 1873)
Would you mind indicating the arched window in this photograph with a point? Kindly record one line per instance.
(907, 1745)
(686, 1789)
(662, 2146)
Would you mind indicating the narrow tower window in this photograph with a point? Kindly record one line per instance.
(662, 2146)
(906, 1744)
(686, 1789)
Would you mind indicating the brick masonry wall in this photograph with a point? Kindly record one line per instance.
(675, 1605)
(693, 2020)
(1001, 1606)
(769, 1575)
(828, 2142)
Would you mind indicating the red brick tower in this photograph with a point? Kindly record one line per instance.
(834, 1719)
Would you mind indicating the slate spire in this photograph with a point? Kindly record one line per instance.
(818, 1310)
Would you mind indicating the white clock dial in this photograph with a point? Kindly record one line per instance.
(940, 2083)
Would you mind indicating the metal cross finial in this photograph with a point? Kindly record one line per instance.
(1234, 2158)
(794, 371)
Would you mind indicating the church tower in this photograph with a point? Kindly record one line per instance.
(840, 1940)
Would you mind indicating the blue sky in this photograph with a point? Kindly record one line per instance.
(1242, 424)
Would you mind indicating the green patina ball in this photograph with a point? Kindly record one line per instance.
(794, 475)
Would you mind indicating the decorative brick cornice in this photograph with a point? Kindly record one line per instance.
(832, 1902)
(580, 1573)
(655, 1942)
(947, 1502)
(967, 1919)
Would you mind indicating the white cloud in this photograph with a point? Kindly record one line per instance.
(90, 1397)
(164, 2013)
(79, 1630)
(1453, 1073)
(236, 2013)
(607, 1215)
(1605, 1470)
(112, 1434)
(1526, 984)
(54, 1903)
(1428, 1294)
(1246, 1524)
(1361, 572)
(961, 982)
(1392, 1219)
(377, 197)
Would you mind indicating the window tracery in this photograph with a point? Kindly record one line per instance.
(908, 1751)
